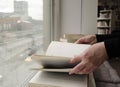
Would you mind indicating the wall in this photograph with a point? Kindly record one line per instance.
(71, 13)
(70, 16)
(47, 23)
(89, 16)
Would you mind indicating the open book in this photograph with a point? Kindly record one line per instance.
(58, 56)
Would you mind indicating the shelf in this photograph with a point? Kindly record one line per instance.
(105, 22)
(103, 27)
(105, 11)
(103, 19)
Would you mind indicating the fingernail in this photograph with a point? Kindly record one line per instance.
(71, 72)
(72, 60)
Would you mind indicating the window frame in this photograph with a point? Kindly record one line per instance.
(51, 21)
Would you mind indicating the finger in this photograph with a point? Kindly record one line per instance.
(76, 59)
(79, 41)
(93, 42)
(88, 69)
(77, 68)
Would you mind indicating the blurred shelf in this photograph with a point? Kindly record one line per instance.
(105, 22)
(103, 19)
(105, 11)
(103, 27)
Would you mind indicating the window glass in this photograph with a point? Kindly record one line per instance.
(21, 35)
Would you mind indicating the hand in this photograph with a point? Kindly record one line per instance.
(89, 60)
(89, 39)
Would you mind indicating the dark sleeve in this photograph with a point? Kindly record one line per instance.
(112, 47)
(112, 43)
(115, 34)
(101, 38)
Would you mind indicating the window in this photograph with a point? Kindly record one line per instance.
(21, 35)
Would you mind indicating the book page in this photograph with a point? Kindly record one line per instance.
(64, 49)
(46, 79)
(52, 70)
(52, 61)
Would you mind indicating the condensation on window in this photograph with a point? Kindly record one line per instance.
(21, 35)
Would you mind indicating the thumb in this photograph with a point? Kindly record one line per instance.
(76, 59)
(79, 41)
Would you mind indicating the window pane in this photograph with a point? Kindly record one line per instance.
(21, 35)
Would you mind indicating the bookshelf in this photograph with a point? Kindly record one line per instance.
(105, 22)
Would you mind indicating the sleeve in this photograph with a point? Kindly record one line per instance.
(115, 34)
(101, 38)
(112, 43)
(112, 47)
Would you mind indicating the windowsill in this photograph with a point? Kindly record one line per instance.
(16, 72)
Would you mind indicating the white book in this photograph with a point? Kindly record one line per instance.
(52, 79)
(58, 55)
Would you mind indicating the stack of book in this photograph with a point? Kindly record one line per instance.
(55, 66)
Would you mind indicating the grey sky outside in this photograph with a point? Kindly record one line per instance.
(35, 7)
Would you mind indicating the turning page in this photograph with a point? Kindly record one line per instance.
(58, 56)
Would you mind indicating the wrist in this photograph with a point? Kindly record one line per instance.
(102, 45)
(94, 39)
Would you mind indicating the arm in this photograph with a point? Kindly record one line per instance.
(112, 43)
(94, 56)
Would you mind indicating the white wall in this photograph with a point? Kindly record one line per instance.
(47, 23)
(89, 16)
(71, 16)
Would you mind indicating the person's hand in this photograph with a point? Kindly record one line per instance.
(89, 39)
(90, 59)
